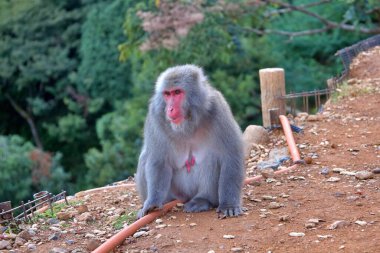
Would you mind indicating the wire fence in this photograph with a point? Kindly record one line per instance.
(26, 211)
(305, 100)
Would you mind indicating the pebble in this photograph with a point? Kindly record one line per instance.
(86, 216)
(267, 197)
(92, 244)
(237, 249)
(333, 179)
(364, 175)
(53, 221)
(361, 222)
(308, 160)
(284, 218)
(58, 250)
(64, 215)
(81, 209)
(70, 242)
(228, 236)
(325, 171)
(4, 244)
(274, 205)
(296, 234)
(89, 235)
(19, 241)
(310, 225)
(139, 234)
(338, 224)
(31, 247)
(54, 236)
(193, 224)
(159, 221)
(25, 235)
(376, 171)
(161, 226)
(211, 251)
(324, 236)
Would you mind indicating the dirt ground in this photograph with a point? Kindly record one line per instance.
(321, 206)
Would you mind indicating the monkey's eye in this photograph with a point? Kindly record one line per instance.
(166, 93)
(177, 92)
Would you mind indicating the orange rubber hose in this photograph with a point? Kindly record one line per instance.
(289, 139)
(118, 238)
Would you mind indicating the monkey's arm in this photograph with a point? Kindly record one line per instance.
(230, 185)
(158, 179)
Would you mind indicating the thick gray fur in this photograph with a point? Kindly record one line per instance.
(210, 133)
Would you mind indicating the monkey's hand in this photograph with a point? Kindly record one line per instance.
(149, 206)
(224, 212)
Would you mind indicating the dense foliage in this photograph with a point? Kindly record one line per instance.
(76, 76)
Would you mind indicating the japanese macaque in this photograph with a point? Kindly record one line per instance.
(193, 148)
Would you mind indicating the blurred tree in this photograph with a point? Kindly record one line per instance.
(26, 170)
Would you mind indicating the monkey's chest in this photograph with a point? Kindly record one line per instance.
(189, 158)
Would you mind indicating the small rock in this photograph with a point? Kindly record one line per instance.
(333, 179)
(364, 175)
(237, 249)
(4, 244)
(52, 221)
(284, 218)
(158, 236)
(31, 247)
(267, 173)
(211, 251)
(70, 242)
(193, 224)
(310, 225)
(86, 216)
(58, 250)
(228, 236)
(55, 229)
(54, 236)
(308, 160)
(139, 234)
(92, 244)
(159, 221)
(315, 220)
(313, 118)
(274, 205)
(296, 234)
(361, 222)
(19, 241)
(376, 171)
(338, 224)
(64, 215)
(89, 235)
(268, 197)
(161, 226)
(254, 134)
(81, 209)
(325, 171)
(25, 235)
(324, 236)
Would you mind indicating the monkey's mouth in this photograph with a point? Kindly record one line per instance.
(177, 120)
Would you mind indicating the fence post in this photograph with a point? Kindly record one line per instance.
(272, 85)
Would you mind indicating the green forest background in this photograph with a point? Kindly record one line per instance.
(76, 75)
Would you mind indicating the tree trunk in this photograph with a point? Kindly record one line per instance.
(30, 121)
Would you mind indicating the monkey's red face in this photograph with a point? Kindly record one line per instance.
(174, 99)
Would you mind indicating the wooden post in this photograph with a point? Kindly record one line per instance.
(272, 85)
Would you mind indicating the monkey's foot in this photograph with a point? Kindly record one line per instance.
(197, 205)
(229, 212)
